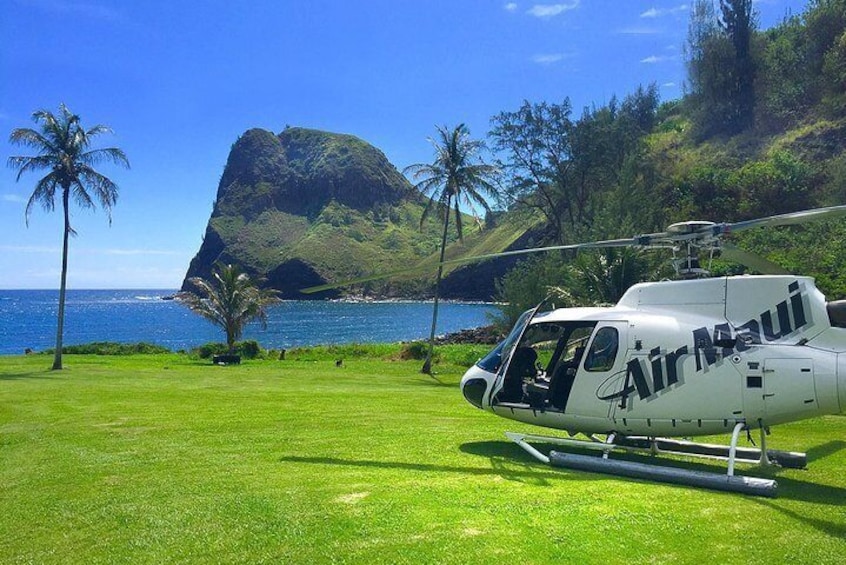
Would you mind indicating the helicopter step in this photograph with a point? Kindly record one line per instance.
(728, 482)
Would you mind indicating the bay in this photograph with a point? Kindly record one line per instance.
(28, 321)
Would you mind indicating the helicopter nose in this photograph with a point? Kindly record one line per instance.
(475, 384)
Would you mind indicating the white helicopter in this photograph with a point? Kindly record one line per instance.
(692, 357)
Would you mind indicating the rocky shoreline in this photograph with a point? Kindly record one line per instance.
(483, 335)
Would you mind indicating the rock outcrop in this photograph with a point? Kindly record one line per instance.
(305, 207)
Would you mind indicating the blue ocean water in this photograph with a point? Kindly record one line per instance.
(28, 320)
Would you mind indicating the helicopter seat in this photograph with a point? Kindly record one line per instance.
(536, 394)
(522, 366)
(562, 383)
(562, 380)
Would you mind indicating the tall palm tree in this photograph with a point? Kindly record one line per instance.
(64, 150)
(456, 177)
(230, 300)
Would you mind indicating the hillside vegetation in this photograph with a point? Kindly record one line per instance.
(761, 131)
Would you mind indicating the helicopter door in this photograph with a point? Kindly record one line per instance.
(788, 388)
(603, 368)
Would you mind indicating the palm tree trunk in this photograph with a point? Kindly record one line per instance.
(57, 357)
(427, 364)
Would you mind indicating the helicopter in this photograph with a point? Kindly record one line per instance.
(695, 356)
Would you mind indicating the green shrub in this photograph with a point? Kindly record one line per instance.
(249, 349)
(210, 349)
(111, 348)
(414, 350)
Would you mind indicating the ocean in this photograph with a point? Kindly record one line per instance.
(28, 320)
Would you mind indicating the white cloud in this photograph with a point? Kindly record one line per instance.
(652, 59)
(637, 30)
(657, 13)
(12, 198)
(511, 7)
(547, 58)
(552, 10)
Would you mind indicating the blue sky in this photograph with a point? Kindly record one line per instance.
(179, 81)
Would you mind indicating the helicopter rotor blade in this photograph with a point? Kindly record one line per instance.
(751, 260)
(350, 282)
(628, 242)
(790, 219)
(684, 232)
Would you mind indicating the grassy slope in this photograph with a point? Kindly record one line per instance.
(156, 459)
(343, 243)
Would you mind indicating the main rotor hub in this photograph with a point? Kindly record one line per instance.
(684, 228)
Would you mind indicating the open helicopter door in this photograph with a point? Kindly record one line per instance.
(509, 347)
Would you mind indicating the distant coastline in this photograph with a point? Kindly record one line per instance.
(28, 320)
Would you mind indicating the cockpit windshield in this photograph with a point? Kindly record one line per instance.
(493, 360)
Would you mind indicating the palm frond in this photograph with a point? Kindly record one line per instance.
(110, 154)
(44, 194)
(63, 149)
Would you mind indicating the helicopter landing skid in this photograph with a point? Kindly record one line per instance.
(728, 482)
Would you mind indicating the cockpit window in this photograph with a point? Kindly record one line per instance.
(603, 350)
(493, 360)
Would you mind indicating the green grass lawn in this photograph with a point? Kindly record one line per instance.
(160, 459)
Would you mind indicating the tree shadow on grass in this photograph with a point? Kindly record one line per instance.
(837, 530)
(504, 463)
(432, 380)
(825, 450)
(42, 374)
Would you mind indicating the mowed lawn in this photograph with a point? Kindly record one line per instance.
(162, 459)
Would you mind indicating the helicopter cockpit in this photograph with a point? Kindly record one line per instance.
(545, 362)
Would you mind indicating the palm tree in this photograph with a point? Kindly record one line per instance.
(230, 300)
(64, 149)
(456, 176)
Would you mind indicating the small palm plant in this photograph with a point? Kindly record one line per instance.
(230, 300)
